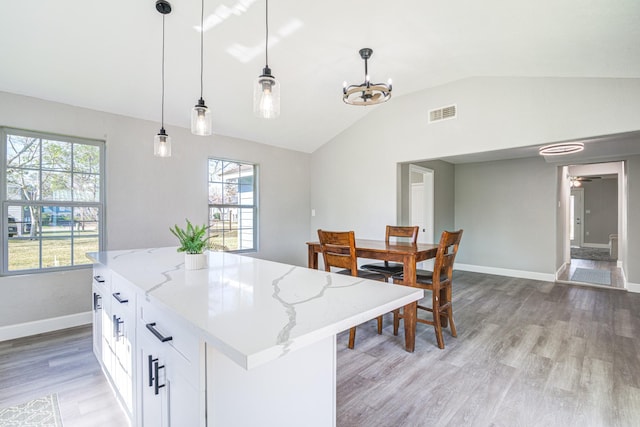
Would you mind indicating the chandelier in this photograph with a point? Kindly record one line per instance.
(366, 93)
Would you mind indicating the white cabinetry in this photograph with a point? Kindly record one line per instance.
(124, 329)
(151, 358)
(169, 371)
(246, 342)
(114, 331)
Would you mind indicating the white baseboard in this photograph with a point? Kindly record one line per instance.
(561, 270)
(45, 325)
(596, 245)
(633, 287)
(619, 264)
(533, 275)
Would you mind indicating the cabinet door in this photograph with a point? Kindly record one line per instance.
(183, 397)
(170, 370)
(97, 322)
(123, 320)
(153, 404)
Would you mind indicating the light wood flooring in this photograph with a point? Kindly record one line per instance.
(528, 353)
(59, 362)
(617, 281)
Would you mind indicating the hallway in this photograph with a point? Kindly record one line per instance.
(592, 273)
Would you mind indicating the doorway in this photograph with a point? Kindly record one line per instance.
(595, 220)
(421, 208)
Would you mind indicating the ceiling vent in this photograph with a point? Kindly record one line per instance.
(442, 113)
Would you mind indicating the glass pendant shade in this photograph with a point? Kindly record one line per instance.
(266, 96)
(162, 144)
(201, 119)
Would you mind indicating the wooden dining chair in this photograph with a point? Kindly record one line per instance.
(439, 282)
(394, 233)
(339, 251)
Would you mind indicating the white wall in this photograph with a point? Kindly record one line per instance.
(146, 195)
(354, 175)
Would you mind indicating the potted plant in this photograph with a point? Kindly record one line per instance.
(193, 242)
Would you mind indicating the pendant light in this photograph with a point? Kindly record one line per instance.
(366, 93)
(162, 141)
(201, 119)
(266, 92)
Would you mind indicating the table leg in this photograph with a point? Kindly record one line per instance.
(409, 316)
(409, 310)
(312, 257)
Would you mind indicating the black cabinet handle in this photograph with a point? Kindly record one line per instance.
(154, 331)
(96, 301)
(118, 298)
(151, 378)
(156, 368)
(98, 279)
(116, 327)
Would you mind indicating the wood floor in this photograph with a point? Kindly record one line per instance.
(528, 353)
(59, 362)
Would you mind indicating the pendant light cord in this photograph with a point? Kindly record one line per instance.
(201, 47)
(266, 41)
(162, 72)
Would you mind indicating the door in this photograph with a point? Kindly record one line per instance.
(421, 202)
(421, 206)
(576, 213)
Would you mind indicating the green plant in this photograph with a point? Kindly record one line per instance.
(193, 240)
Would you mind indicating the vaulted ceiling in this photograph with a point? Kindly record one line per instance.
(107, 55)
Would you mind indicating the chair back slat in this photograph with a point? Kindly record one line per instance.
(339, 250)
(408, 232)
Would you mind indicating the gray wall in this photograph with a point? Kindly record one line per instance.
(443, 194)
(508, 212)
(600, 210)
(145, 195)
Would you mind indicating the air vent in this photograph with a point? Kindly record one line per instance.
(443, 113)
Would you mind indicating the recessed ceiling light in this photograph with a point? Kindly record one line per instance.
(561, 148)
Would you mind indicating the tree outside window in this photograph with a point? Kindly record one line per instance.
(52, 200)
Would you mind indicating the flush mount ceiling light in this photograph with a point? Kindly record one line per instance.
(561, 149)
(366, 93)
(162, 141)
(201, 118)
(266, 92)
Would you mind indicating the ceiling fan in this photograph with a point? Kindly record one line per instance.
(576, 181)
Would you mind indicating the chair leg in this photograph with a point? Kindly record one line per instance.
(444, 319)
(396, 321)
(436, 318)
(352, 337)
(454, 333)
(379, 325)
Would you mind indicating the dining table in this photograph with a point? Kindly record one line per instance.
(408, 254)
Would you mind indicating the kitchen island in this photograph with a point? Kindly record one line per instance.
(243, 342)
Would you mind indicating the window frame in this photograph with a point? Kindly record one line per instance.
(5, 131)
(254, 206)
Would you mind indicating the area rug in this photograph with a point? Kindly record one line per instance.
(41, 412)
(594, 254)
(596, 277)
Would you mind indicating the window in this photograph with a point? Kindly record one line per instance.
(52, 200)
(233, 211)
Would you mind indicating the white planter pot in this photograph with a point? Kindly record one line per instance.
(195, 261)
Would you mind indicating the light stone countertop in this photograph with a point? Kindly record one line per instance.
(253, 310)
